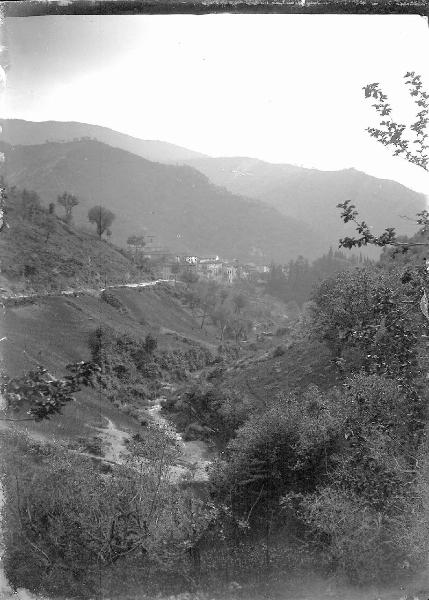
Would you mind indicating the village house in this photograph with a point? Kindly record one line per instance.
(253, 272)
(230, 272)
(210, 267)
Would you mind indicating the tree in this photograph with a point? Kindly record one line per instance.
(150, 343)
(221, 316)
(239, 301)
(392, 135)
(239, 327)
(40, 393)
(207, 297)
(189, 278)
(136, 244)
(136, 241)
(68, 202)
(30, 204)
(101, 217)
(49, 225)
(175, 270)
(369, 320)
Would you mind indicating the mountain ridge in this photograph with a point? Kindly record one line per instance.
(19, 132)
(311, 195)
(304, 195)
(187, 213)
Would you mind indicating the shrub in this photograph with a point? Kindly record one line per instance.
(350, 536)
(112, 300)
(281, 331)
(150, 343)
(279, 351)
(67, 524)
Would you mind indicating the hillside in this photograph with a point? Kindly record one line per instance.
(311, 196)
(28, 133)
(54, 331)
(307, 195)
(178, 204)
(40, 252)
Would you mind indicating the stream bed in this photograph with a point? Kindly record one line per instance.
(196, 454)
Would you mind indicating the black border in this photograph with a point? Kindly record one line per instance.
(27, 8)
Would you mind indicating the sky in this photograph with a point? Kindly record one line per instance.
(282, 88)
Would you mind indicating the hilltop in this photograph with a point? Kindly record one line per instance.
(18, 132)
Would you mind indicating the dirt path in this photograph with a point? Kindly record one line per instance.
(114, 439)
(78, 291)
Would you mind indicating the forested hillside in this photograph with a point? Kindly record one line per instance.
(178, 204)
(312, 196)
(307, 195)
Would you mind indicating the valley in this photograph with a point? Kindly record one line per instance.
(195, 427)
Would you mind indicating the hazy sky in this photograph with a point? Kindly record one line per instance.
(283, 88)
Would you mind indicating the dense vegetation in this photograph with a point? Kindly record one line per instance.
(334, 474)
(187, 212)
(294, 282)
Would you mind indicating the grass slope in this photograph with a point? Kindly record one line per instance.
(54, 331)
(66, 258)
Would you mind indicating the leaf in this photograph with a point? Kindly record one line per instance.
(424, 305)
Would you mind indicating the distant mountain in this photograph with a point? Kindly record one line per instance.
(311, 196)
(29, 133)
(176, 203)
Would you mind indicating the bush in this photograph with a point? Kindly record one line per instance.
(351, 537)
(112, 300)
(281, 331)
(279, 351)
(67, 524)
(92, 445)
(150, 343)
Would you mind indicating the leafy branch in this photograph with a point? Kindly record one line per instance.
(413, 147)
(365, 237)
(391, 133)
(43, 395)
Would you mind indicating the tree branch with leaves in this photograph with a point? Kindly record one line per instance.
(409, 143)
